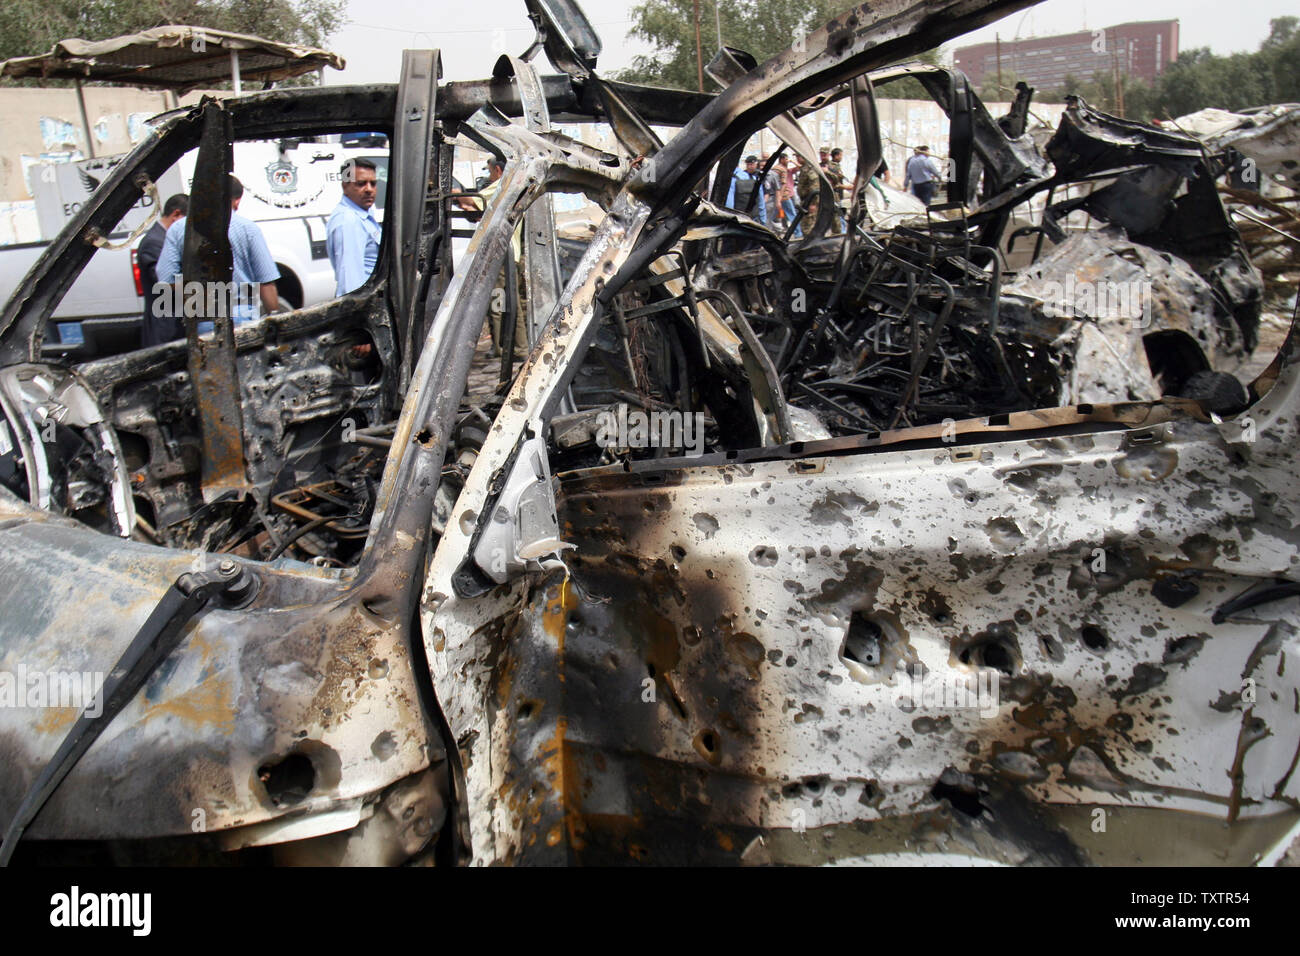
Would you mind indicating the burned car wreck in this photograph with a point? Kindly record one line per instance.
(354, 608)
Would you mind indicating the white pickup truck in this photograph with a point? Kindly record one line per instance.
(290, 189)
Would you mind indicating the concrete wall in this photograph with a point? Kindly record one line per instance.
(45, 124)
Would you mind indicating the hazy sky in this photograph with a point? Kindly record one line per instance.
(472, 33)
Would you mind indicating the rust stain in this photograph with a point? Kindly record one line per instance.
(209, 702)
(560, 765)
(57, 719)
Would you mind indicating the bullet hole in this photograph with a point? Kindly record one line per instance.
(863, 642)
(706, 523)
(1051, 648)
(1174, 590)
(812, 786)
(708, 745)
(934, 604)
(380, 607)
(992, 654)
(678, 553)
(526, 710)
(1182, 649)
(289, 781)
(763, 556)
(424, 437)
(1004, 533)
(384, 746)
(997, 656)
(1094, 638)
(960, 791)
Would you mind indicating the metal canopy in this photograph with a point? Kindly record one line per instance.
(177, 58)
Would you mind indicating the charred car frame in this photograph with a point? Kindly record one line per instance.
(352, 611)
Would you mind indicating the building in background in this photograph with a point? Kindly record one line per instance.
(1141, 50)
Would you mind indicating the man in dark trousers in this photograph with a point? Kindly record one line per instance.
(922, 175)
(154, 330)
(743, 184)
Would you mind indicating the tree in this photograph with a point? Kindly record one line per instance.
(29, 27)
(1281, 53)
(908, 88)
(761, 27)
(990, 91)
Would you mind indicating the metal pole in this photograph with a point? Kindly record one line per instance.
(85, 123)
(234, 72)
(699, 53)
(997, 39)
(717, 16)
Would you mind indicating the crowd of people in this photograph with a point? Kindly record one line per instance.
(788, 192)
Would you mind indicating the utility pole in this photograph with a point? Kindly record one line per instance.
(1117, 91)
(997, 40)
(699, 52)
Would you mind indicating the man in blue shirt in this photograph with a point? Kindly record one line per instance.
(352, 235)
(922, 175)
(253, 263)
(743, 184)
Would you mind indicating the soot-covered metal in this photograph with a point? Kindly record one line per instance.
(893, 542)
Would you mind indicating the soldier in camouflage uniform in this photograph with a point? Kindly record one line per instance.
(808, 186)
(840, 183)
